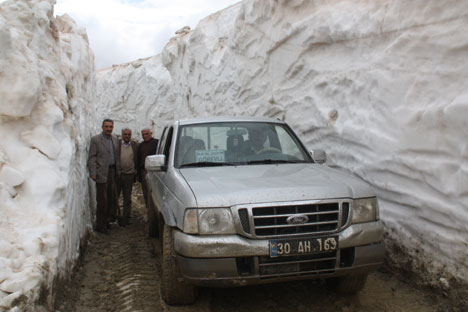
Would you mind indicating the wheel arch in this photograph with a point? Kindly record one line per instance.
(168, 215)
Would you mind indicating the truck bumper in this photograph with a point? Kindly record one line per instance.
(232, 260)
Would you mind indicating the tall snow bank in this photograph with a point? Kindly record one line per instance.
(47, 87)
(135, 95)
(381, 86)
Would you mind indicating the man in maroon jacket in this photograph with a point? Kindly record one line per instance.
(146, 148)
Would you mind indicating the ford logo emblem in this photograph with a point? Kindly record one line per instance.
(297, 219)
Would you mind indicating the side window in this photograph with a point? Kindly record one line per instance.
(167, 144)
(162, 141)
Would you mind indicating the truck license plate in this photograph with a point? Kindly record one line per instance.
(302, 246)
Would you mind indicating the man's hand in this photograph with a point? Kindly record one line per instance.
(93, 177)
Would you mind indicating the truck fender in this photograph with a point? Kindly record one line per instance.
(168, 215)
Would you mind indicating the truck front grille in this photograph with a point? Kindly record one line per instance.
(323, 263)
(272, 221)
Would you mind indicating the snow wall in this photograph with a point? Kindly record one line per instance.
(380, 85)
(47, 115)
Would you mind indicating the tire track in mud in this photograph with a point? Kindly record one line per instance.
(120, 271)
(136, 270)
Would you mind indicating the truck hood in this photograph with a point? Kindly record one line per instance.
(228, 186)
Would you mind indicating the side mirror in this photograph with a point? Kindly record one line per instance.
(319, 156)
(155, 162)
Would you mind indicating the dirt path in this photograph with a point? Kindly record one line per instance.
(121, 272)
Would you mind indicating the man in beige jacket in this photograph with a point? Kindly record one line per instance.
(128, 165)
(104, 166)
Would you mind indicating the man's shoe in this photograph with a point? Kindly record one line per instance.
(102, 231)
(121, 221)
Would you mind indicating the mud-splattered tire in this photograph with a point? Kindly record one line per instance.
(175, 290)
(160, 231)
(348, 285)
(152, 225)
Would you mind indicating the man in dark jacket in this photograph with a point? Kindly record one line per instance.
(128, 171)
(104, 166)
(146, 148)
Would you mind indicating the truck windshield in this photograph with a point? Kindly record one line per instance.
(237, 143)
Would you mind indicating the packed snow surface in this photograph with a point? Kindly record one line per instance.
(379, 85)
(47, 84)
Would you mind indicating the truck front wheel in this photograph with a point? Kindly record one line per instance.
(175, 290)
(152, 224)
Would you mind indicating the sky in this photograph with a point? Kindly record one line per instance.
(121, 31)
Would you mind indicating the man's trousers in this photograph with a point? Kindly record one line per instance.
(125, 187)
(106, 197)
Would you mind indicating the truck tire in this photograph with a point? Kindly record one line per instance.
(348, 285)
(160, 231)
(152, 225)
(175, 290)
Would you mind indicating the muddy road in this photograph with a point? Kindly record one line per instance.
(121, 272)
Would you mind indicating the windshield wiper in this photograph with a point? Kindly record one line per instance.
(206, 164)
(274, 161)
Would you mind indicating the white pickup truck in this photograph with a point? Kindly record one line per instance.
(241, 201)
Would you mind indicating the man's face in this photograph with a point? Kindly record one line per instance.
(146, 134)
(126, 135)
(107, 127)
(258, 138)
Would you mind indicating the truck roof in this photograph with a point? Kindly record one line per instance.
(227, 119)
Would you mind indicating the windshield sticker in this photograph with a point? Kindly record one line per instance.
(210, 155)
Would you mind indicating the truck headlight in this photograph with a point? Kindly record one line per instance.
(209, 221)
(365, 210)
(191, 221)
